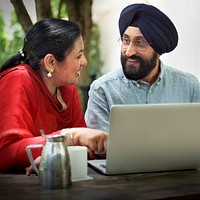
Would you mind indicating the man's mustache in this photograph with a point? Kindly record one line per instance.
(139, 59)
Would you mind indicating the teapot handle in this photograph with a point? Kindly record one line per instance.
(30, 156)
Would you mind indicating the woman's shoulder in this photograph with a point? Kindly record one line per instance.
(20, 78)
(17, 71)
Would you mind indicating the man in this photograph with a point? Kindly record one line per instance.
(146, 33)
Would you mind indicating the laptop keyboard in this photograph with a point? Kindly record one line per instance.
(103, 165)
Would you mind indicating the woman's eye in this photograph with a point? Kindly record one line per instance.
(79, 56)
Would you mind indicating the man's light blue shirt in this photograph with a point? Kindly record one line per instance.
(172, 86)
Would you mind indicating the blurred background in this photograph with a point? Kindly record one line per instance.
(99, 22)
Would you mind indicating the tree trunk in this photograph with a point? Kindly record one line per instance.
(22, 15)
(43, 9)
(80, 12)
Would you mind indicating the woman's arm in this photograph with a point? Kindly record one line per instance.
(94, 139)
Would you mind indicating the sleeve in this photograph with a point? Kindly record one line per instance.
(16, 123)
(97, 112)
(13, 155)
(196, 90)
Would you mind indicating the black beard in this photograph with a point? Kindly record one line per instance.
(145, 68)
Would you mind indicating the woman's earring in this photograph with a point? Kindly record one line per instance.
(49, 75)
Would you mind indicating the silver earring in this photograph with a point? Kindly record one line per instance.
(49, 75)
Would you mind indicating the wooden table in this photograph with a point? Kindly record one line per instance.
(177, 185)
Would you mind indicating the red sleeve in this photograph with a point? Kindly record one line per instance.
(15, 122)
(13, 155)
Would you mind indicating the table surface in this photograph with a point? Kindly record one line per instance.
(159, 185)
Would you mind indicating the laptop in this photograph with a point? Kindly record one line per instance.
(152, 138)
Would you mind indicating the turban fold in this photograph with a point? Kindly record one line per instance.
(156, 27)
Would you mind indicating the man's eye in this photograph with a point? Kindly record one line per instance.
(126, 41)
(140, 43)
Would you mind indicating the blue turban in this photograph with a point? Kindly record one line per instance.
(156, 27)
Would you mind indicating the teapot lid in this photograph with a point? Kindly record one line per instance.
(55, 138)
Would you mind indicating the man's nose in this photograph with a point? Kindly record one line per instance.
(131, 50)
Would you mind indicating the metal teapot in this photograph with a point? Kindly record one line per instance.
(54, 170)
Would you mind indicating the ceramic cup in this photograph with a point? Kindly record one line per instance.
(78, 161)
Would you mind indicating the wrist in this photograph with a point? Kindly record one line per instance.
(69, 136)
(71, 139)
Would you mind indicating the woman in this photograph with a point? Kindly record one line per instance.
(39, 93)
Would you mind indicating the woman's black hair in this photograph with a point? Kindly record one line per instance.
(52, 35)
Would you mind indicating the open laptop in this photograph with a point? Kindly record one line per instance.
(152, 138)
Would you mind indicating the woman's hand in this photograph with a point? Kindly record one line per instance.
(95, 139)
(30, 170)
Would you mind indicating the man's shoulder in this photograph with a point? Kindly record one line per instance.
(177, 73)
(107, 78)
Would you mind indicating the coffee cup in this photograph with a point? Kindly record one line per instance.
(78, 162)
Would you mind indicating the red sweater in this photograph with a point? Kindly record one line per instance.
(26, 107)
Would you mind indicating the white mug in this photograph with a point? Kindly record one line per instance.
(78, 162)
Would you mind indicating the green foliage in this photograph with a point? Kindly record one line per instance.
(3, 39)
(94, 60)
(10, 41)
(59, 12)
